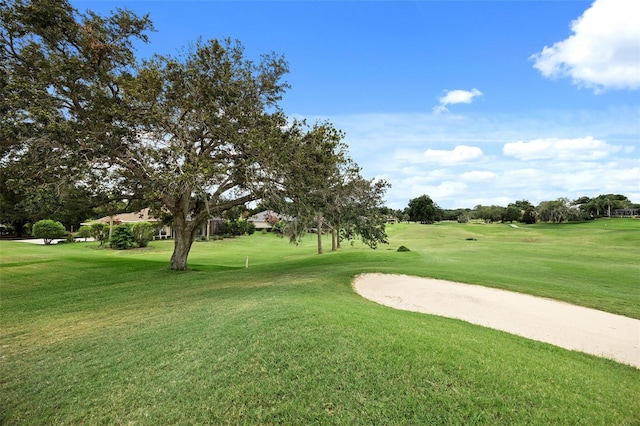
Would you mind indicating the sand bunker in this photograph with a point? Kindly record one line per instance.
(568, 326)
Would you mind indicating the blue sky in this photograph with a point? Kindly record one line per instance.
(470, 102)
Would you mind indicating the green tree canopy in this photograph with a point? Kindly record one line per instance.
(61, 76)
(602, 205)
(48, 230)
(558, 211)
(209, 130)
(424, 210)
(512, 212)
(323, 189)
(196, 135)
(314, 162)
(489, 214)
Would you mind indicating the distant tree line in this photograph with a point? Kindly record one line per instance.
(424, 210)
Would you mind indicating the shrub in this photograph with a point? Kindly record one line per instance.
(250, 227)
(99, 231)
(240, 227)
(122, 237)
(279, 227)
(143, 232)
(48, 229)
(403, 248)
(233, 228)
(85, 232)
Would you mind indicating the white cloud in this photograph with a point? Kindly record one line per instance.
(578, 149)
(460, 154)
(478, 176)
(395, 145)
(445, 190)
(456, 97)
(459, 96)
(522, 178)
(448, 189)
(604, 50)
(440, 109)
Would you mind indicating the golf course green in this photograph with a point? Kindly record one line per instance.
(90, 335)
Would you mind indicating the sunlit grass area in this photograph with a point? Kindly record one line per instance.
(90, 335)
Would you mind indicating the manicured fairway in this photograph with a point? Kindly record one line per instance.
(98, 336)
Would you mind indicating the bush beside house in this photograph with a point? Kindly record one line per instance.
(143, 232)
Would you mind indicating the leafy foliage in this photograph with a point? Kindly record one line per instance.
(325, 192)
(463, 218)
(240, 227)
(557, 211)
(48, 230)
(85, 232)
(210, 131)
(530, 216)
(602, 205)
(424, 210)
(122, 237)
(196, 134)
(100, 231)
(511, 213)
(63, 115)
(489, 214)
(143, 232)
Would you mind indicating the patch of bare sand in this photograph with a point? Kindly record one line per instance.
(568, 326)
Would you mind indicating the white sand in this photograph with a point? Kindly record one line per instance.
(568, 326)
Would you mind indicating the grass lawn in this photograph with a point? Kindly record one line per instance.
(94, 336)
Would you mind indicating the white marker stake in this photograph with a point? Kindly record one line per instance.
(246, 262)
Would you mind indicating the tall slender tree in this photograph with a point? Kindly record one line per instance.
(324, 190)
(360, 214)
(313, 172)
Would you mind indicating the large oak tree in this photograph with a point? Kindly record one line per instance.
(62, 112)
(209, 134)
(193, 135)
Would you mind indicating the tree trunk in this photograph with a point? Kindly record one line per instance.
(181, 248)
(184, 236)
(334, 242)
(319, 230)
